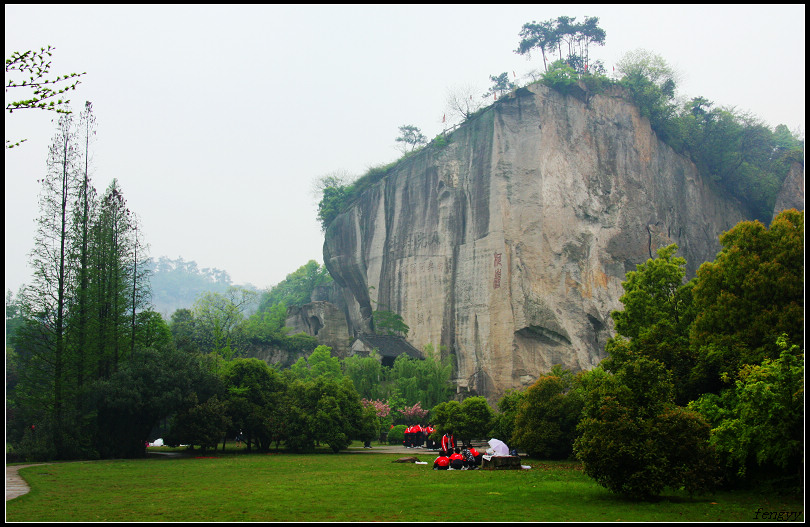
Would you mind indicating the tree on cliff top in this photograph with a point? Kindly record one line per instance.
(552, 33)
(296, 289)
(338, 190)
(500, 84)
(652, 83)
(461, 103)
(734, 149)
(541, 36)
(411, 136)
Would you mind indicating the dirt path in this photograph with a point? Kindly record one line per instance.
(393, 449)
(15, 485)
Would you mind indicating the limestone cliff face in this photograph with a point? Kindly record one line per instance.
(791, 195)
(509, 245)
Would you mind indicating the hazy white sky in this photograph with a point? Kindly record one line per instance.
(216, 120)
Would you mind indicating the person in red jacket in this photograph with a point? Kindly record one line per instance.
(428, 440)
(457, 460)
(442, 462)
(448, 443)
(416, 435)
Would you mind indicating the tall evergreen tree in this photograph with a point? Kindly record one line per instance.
(46, 299)
(83, 214)
(117, 286)
(78, 315)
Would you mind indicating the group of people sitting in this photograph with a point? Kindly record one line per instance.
(458, 459)
(452, 457)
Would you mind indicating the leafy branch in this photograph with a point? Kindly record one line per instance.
(36, 65)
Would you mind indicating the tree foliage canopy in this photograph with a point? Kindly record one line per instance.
(80, 313)
(297, 287)
(564, 30)
(731, 341)
(545, 422)
(749, 296)
(469, 419)
(150, 387)
(656, 318)
(411, 137)
(500, 85)
(757, 425)
(634, 441)
(389, 323)
(338, 193)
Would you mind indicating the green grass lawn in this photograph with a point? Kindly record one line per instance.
(359, 486)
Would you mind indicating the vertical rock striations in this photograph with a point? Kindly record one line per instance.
(509, 245)
(791, 195)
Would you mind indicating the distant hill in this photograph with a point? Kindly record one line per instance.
(177, 283)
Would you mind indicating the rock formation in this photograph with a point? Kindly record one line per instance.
(322, 320)
(791, 195)
(508, 246)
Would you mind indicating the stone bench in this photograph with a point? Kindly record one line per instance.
(501, 463)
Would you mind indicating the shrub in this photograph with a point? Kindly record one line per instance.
(476, 420)
(594, 83)
(635, 442)
(467, 420)
(545, 424)
(35, 446)
(440, 141)
(396, 435)
(561, 77)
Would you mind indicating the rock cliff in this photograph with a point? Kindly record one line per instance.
(508, 246)
(791, 195)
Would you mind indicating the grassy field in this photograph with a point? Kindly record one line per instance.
(349, 486)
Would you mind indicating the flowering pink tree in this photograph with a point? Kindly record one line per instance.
(381, 407)
(383, 410)
(414, 414)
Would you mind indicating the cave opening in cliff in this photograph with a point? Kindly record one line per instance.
(315, 324)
